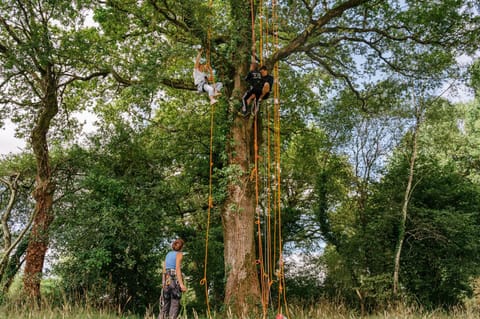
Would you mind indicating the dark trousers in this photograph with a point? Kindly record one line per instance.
(247, 95)
(171, 296)
(170, 308)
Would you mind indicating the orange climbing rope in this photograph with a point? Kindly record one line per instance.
(204, 281)
(276, 99)
(266, 258)
(267, 277)
(268, 270)
(210, 206)
(260, 40)
(252, 15)
(260, 261)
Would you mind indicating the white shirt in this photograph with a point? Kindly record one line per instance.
(198, 76)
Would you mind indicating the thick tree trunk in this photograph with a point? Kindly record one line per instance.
(44, 189)
(242, 290)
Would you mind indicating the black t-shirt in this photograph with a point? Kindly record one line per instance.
(254, 78)
(267, 79)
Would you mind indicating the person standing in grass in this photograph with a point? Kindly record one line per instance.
(172, 282)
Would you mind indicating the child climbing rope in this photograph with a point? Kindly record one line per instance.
(203, 76)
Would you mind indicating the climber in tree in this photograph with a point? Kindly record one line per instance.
(203, 79)
(261, 84)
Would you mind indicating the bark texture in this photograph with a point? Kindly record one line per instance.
(242, 290)
(44, 187)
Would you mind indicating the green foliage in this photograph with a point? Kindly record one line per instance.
(475, 77)
(136, 188)
(361, 233)
(108, 233)
(305, 284)
(443, 208)
(441, 251)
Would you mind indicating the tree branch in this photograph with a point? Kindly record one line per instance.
(167, 14)
(336, 74)
(295, 45)
(74, 77)
(10, 31)
(179, 84)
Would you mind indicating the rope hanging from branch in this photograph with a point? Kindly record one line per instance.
(204, 281)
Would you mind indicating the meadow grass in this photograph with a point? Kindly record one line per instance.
(54, 305)
(320, 311)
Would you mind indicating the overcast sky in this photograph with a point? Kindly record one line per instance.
(8, 143)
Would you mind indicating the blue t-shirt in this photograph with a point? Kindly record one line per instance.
(171, 260)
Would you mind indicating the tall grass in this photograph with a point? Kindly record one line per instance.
(17, 308)
(330, 311)
(320, 311)
(55, 305)
(327, 310)
(57, 313)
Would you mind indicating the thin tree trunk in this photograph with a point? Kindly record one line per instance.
(9, 265)
(13, 264)
(12, 185)
(406, 200)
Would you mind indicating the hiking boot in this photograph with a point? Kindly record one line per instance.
(243, 113)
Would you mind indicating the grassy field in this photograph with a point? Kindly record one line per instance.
(55, 306)
(323, 311)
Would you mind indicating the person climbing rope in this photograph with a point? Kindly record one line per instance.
(254, 79)
(203, 76)
(172, 282)
(261, 84)
(267, 80)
